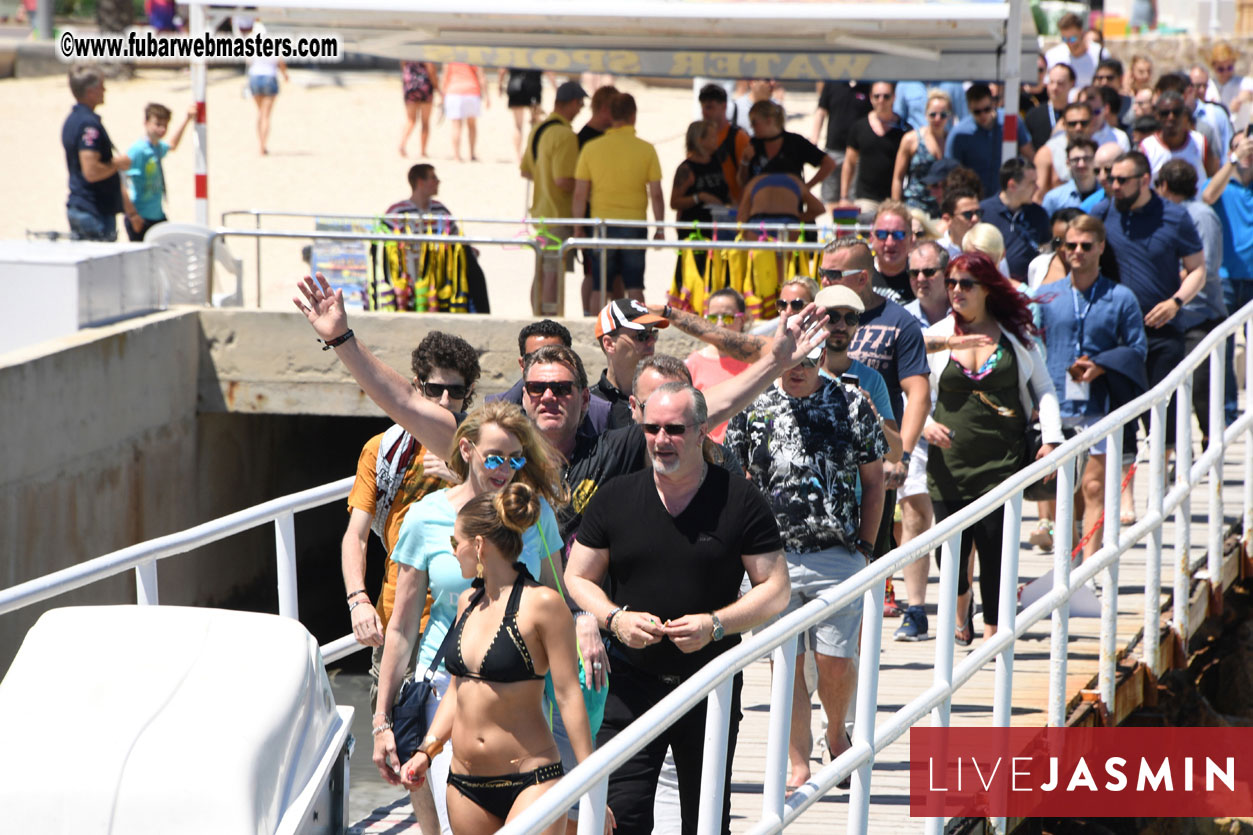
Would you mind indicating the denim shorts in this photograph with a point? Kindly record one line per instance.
(263, 85)
(89, 226)
(628, 263)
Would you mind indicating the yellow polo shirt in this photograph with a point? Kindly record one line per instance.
(619, 165)
(554, 157)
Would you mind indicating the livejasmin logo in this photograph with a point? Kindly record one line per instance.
(1081, 772)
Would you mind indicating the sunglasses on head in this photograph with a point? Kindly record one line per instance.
(674, 430)
(559, 388)
(795, 305)
(897, 234)
(456, 391)
(722, 318)
(967, 284)
(851, 318)
(926, 271)
(979, 111)
(1071, 246)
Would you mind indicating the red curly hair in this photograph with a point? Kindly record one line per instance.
(1005, 304)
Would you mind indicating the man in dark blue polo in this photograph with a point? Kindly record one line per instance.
(1023, 224)
(976, 140)
(1152, 238)
(96, 193)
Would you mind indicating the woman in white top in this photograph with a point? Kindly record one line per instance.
(262, 78)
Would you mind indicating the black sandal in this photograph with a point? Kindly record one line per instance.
(847, 782)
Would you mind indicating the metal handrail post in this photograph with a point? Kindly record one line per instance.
(783, 680)
(602, 260)
(1217, 435)
(1062, 537)
(285, 556)
(1007, 615)
(146, 583)
(258, 227)
(714, 766)
(1183, 513)
(1247, 516)
(1106, 671)
(1153, 566)
(867, 701)
(946, 623)
(592, 808)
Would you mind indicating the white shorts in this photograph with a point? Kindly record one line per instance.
(916, 479)
(462, 107)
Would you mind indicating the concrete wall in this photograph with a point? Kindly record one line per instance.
(266, 362)
(120, 434)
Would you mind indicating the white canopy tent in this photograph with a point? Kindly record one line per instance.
(796, 40)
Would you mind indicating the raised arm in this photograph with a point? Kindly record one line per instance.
(432, 425)
(745, 347)
(795, 337)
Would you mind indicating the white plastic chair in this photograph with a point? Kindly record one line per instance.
(187, 271)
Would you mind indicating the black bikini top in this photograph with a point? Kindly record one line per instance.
(499, 662)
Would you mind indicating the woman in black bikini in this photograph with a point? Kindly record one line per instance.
(509, 632)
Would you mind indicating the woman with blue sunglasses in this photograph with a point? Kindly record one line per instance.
(495, 445)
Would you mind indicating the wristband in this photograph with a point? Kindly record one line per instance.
(865, 546)
(905, 457)
(1178, 301)
(353, 594)
(337, 341)
(609, 618)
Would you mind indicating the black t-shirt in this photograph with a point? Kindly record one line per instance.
(844, 105)
(619, 403)
(894, 287)
(598, 458)
(796, 153)
(83, 131)
(876, 159)
(680, 565)
(587, 133)
(707, 177)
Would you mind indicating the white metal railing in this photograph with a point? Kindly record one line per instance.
(779, 640)
(599, 227)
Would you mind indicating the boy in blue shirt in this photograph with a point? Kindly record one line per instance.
(145, 179)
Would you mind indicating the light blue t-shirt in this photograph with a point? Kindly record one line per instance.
(424, 543)
(146, 178)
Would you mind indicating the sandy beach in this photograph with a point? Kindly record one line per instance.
(333, 149)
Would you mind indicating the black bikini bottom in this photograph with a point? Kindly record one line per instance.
(496, 795)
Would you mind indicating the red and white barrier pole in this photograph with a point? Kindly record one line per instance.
(199, 78)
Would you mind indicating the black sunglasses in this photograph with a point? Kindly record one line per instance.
(1071, 246)
(1170, 111)
(456, 391)
(972, 214)
(639, 336)
(1114, 178)
(674, 430)
(1101, 169)
(850, 318)
(559, 388)
(966, 284)
(979, 111)
(795, 305)
(927, 271)
(1078, 123)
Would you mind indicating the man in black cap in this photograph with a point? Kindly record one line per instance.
(548, 161)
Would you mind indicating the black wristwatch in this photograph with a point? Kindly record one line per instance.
(866, 547)
(905, 457)
(1178, 301)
